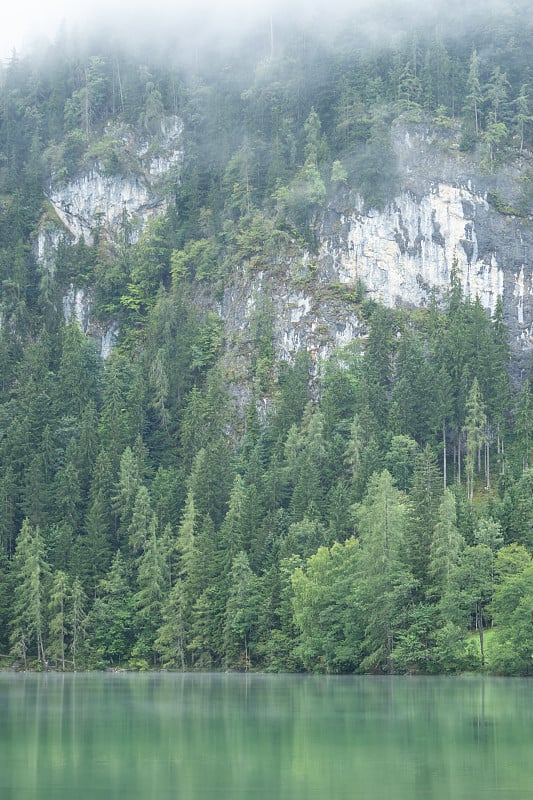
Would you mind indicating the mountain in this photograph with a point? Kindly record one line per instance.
(266, 330)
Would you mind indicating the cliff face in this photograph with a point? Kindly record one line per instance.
(97, 199)
(401, 255)
(405, 252)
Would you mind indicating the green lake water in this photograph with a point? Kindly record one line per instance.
(192, 737)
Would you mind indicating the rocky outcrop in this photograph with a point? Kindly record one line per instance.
(97, 199)
(444, 215)
(404, 253)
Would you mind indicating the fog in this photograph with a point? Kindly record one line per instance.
(206, 23)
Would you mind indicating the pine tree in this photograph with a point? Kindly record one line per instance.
(152, 585)
(476, 434)
(8, 508)
(78, 374)
(57, 607)
(143, 521)
(127, 490)
(185, 542)
(523, 114)
(446, 546)
(474, 97)
(96, 546)
(424, 499)
(242, 614)
(233, 532)
(524, 423)
(496, 93)
(384, 583)
(28, 624)
(208, 584)
(110, 622)
(77, 620)
(172, 634)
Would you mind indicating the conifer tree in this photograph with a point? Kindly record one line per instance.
(524, 423)
(474, 97)
(96, 546)
(152, 586)
(424, 499)
(29, 620)
(172, 634)
(143, 522)
(110, 622)
(384, 583)
(129, 483)
(77, 620)
(57, 630)
(242, 614)
(185, 542)
(476, 435)
(446, 546)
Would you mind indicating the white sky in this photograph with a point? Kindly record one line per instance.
(23, 22)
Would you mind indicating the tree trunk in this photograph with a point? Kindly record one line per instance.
(40, 649)
(444, 452)
(390, 646)
(479, 617)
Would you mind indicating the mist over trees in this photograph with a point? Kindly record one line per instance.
(373, 512)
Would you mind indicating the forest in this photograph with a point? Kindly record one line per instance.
(371, 513)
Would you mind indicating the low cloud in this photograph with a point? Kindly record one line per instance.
(206, 23)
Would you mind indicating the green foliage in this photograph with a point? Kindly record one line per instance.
(196, 261)
(172, 633)
(28, 624)
(145, 519)
(152, 587)
(375, 169)
(242, 614)
(512, 607)
(110, 621)
(384, 581)
(58, 618)
(339, 175)
(325, 611)
(446, 546)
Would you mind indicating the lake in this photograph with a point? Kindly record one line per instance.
(197, 736)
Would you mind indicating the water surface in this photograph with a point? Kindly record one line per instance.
(194, 737)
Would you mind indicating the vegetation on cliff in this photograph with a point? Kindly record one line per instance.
(377, 515)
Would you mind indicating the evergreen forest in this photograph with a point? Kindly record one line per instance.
(367, 513)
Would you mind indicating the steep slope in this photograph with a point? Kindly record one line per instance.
(400, 255)
(445, 213)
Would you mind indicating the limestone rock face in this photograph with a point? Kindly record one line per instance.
(444, 215)
(405, 252)
(108, 201)
(402, 255)
(97, 198)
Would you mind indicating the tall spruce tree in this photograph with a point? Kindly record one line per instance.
(32, 578)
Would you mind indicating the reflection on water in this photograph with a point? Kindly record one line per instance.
(123, 736)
